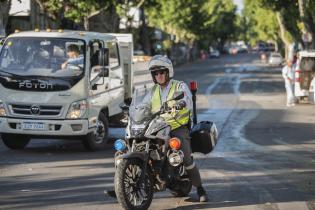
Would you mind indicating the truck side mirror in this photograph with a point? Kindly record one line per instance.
(103, 57)
(104, 72)
(97, 76)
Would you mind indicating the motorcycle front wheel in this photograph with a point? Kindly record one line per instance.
(133, 192)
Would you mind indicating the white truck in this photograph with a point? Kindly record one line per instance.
(304, 74)
(46, 94)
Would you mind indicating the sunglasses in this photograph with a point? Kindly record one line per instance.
(159, 72)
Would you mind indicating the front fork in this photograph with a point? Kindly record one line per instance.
(145, 161)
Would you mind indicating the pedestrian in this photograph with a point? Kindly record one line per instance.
(288, 75)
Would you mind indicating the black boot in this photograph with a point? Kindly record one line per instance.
(110, 193)
(203, 197)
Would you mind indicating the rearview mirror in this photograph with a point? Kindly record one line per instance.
(99, 71)
(103, 58)
(104, 72)
(124, 107)
(97, 76)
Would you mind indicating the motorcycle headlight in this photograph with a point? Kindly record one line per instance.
(77, 109)
(2, 109)
(136, 129)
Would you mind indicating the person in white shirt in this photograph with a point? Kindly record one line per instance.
(75, 58)
(288, 75)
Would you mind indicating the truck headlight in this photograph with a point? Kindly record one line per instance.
(77, 109)
(2, 110)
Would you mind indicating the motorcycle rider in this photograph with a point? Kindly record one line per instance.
(162, 72)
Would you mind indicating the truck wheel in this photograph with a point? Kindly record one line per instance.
(15, 141)
(97, 140)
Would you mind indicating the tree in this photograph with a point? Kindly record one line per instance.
(75, 10)
(193, 20)
(172, 17)
(280, 17)
(262, 23)
(306, 11)
(220, 25)
(5, 6)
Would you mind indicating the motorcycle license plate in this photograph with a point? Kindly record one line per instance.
(33, 126)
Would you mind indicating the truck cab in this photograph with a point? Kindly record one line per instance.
(63, 84)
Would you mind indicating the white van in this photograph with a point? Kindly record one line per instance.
(304, 74)
(40, 99)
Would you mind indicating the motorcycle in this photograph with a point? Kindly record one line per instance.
(148, 160)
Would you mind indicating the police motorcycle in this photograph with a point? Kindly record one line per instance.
(144, 156)
(148, 160)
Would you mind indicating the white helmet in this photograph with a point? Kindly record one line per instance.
(159, 62)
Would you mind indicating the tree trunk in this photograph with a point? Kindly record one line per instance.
(282, 34)
(109, 20)
(86, 23)
(145, 42)
(276, 46)
(4, 15)
(307, 20)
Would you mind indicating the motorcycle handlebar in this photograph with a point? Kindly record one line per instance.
(179, 106)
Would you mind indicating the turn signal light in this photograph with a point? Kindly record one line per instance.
(174, 143)
(120, 145)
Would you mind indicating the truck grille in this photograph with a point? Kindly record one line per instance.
(43, 110)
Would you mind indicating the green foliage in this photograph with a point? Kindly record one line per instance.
(290, 14)
(75, 10)
(261, 22)
(175, 17)
(191, 20)
(221, 21)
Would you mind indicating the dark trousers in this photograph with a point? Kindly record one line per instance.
(183, 134)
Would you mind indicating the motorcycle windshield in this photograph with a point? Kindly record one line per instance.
(140, 108)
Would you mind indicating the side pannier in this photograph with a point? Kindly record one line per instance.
(204, 137)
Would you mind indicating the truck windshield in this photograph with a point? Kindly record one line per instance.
(34, 56)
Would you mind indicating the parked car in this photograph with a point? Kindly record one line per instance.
(139, 56)
(275, 59)
(214, 53)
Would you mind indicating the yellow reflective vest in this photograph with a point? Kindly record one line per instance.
(175, 119)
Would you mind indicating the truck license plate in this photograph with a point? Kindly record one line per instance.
(33, 126)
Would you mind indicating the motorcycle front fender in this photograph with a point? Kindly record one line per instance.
(143, 156)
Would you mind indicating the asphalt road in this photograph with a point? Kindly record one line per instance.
(265, 158)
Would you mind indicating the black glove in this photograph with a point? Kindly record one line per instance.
(180, 105)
